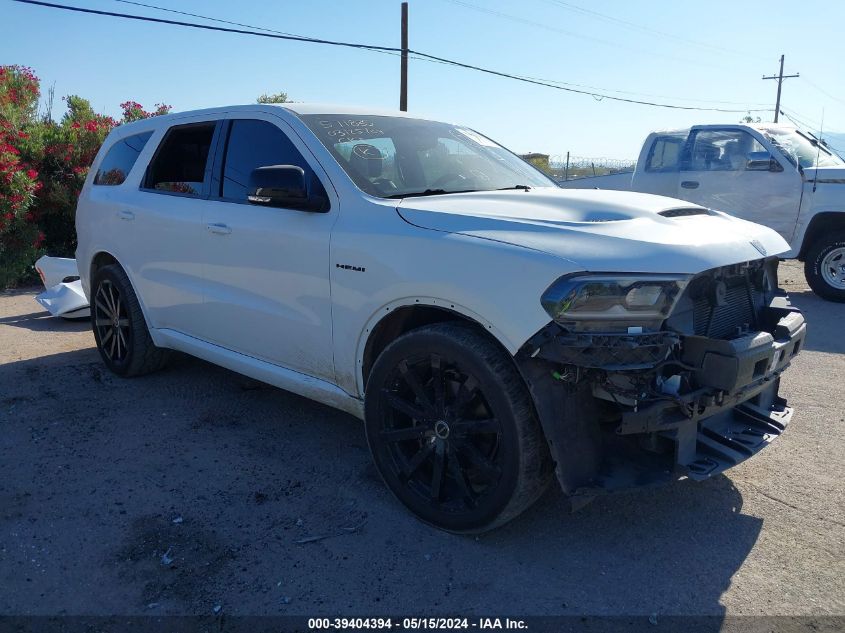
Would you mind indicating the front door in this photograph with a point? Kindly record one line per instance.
(714, 175)
(266, 269)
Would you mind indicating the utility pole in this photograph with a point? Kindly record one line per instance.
(780, 77)
(403, 81)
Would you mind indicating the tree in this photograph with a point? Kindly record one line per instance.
(279, 97)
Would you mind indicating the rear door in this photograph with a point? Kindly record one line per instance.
(266, 269)
(714, 174)
(162, 235)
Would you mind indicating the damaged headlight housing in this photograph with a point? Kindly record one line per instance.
(613, 301)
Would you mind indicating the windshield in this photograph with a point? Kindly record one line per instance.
(802, 150)
(395, 157)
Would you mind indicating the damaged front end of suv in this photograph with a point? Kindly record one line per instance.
(641, 379)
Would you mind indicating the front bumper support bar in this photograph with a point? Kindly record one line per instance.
(723, 441)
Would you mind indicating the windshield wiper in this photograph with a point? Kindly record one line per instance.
(428, 192)
(523, 187)
(815, 142)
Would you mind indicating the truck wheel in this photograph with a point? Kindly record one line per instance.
(119, 328)
(825, 267)
(452, 430)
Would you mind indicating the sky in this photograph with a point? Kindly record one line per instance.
(674, 52)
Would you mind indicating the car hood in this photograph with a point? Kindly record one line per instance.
(826, 174)
(599, 230)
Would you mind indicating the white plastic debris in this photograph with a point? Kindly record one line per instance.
(671, 385)
(54, 270)
(62, 298)
(166, 558)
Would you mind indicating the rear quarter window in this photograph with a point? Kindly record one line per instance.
(665, 153)
(120, 159)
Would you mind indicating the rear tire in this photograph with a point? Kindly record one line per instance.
(120, 330)
(452, 430)
(825, 266)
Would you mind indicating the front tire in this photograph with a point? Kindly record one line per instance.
(825, 267)
(452, 431)
(120, 330)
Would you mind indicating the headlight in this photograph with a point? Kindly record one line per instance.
(635, 300)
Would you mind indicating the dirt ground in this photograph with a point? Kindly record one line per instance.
(196, 488)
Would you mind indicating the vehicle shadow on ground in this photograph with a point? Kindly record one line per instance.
(824, 322)
(45, 322)
(254, 472)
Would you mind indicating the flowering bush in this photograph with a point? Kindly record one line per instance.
(20, 237)
(43, 165)
(134, 111)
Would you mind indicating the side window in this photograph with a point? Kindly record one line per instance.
(253, 144)
(665, 153)
(120, 159)
(721, 150)
(180, 162)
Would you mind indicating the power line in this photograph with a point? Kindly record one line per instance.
(207, 27)
(564, 83)
(797, 122)
(823, 91)
(395, 52)
(203, 17)
(390, 49)
(549, 27)
(799, 119)
(577, 91)
(642, 94)
(647, 29)
(807, 125)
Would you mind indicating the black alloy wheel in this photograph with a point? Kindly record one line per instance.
(452, 431)
(111, 322)
(120, 330)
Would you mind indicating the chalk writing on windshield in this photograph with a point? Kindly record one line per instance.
(340, 130)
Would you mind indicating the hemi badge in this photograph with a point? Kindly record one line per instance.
(756, 244)
(359, 269)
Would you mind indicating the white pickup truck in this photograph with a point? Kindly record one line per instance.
(771, 174)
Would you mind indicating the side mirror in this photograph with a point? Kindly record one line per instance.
(761, 161)
(281, 186)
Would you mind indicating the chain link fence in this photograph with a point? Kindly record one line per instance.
(569, 167)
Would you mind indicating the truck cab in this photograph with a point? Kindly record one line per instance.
(771, 174)
(774, 175)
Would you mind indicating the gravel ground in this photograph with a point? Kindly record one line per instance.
(195, 487)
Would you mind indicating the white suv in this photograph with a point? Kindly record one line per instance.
(489, 327)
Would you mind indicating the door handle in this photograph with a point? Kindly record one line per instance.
(689, 184)
(219, 228)
(126, 215)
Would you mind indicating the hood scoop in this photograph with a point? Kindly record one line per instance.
(682, 213)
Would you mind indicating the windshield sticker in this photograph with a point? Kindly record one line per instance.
(475, 137)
